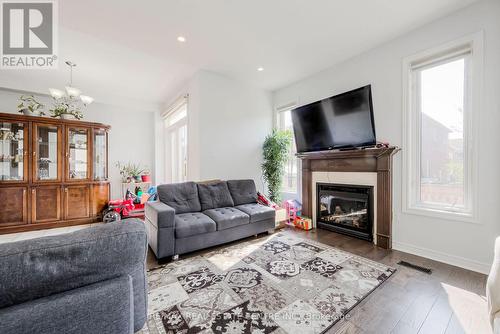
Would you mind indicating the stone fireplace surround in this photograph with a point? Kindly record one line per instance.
(370, 166)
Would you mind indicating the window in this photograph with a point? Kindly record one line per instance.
(439, 129)
(176, 157)
(290, 176)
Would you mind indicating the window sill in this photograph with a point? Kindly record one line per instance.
(286, 195)
(441, 214)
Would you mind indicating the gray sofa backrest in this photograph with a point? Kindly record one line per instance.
(242, 191)
(183, 197)
(37, 268)
(214, 195)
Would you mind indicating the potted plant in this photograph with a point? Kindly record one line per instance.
(145, 176)
(29, 106)
(136, 171)
(65, 110)
(275, 153)
(123, 171)
(130, 172)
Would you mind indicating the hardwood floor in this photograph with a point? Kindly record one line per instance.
(450, 300)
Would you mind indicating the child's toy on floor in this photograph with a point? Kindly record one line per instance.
(131, 206)
(303, 223)
(293, 209)
(117, 209)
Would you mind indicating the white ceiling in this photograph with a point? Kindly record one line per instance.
(126, 50)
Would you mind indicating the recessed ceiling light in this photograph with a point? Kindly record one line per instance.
(181, 39)
(260, 69)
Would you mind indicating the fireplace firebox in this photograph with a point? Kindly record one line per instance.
(346, 209)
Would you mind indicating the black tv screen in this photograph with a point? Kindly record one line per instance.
(341, 121)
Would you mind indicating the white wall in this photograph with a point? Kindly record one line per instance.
(464, 244)
(227, 124)
(234, 121)
(130, 137)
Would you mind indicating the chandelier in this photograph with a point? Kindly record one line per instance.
(71, 94)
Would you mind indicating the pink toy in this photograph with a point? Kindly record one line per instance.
(293, 208)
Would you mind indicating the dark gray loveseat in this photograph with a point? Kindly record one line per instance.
(191, 216)
(88, 281)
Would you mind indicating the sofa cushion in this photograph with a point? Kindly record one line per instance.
(193, 223)
(183, 197)
(214, 195)
(227, 217)
(242, 191)
(257, 212)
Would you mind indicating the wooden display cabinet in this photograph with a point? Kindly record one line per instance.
(53, 172)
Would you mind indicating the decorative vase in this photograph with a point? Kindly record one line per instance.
(67, 116)
(28, 112)
(146, 178)
(137, 178)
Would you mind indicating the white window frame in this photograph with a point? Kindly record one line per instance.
(411, 129)
(286, 195)
(167, 129)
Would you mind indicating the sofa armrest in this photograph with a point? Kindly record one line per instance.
(160, 214)
(493, 289)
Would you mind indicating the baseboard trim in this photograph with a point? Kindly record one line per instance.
(483, 268)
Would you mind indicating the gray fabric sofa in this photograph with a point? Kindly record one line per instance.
(191, 216)
(88, 281)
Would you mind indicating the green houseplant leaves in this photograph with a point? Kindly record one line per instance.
(275, 153)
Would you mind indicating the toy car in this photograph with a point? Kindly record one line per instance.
(117, 209)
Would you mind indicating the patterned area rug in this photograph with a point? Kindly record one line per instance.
(282, 284)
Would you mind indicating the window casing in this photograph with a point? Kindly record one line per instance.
(176, 141)
(441, 102)
(290, 182)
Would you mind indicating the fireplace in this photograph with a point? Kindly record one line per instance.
(369, 160)
(346, 209)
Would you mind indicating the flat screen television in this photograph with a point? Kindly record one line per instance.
(340, 121)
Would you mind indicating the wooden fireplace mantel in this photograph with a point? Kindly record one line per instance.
(375, 160)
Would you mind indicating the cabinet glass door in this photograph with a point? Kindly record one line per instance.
(100, 155)
(78, 151)
(13, 148)
(47, 158)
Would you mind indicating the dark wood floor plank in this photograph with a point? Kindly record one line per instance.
(439, 317)
(345, 327)
(454, 326)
